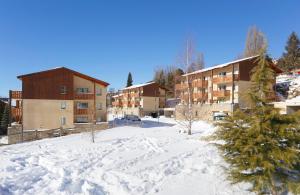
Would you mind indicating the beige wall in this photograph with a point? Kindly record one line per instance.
(83, 83)
(242, 88)
(150, 104)
(46, 114)
(101, 115)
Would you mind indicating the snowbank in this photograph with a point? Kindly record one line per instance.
(152, 158)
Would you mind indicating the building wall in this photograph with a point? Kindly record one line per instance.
(47, 85)
(101, 115)
(46, 114)
(243, 98)
(83, 83)
(204, 111)
(150, 104)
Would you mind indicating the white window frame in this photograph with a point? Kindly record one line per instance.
(63, 105)
(63, 120)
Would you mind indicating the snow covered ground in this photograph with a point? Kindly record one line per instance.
(148, 159)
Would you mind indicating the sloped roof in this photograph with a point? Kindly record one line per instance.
(278, 70)
(69, 70)
(138, 85)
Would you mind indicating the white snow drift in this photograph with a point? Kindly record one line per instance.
(150, 159)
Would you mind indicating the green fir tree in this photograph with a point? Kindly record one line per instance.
(129, 80)
(4, 120)
(262, 146)
(290, 59)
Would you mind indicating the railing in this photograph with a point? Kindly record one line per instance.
(16, 95)
(80, 111)
(180, 86)
(84, 96)
(225, 79)
(221, 93)
(199, 95)
(200, 83)
(16, 113)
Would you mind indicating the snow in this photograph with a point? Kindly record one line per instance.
(3, 140)
(139, 85)
(148, 158)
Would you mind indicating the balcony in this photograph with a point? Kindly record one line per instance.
(15, 94)
(221, 93)
(225, 79)
(84, 96)
(80, 111)
(200, 95)
(16, 113)
(200, 83)
(181, 86)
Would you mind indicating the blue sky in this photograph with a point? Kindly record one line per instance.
(107, 39)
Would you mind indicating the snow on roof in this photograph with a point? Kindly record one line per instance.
(220, 65)
(139, 85)
(118, 95)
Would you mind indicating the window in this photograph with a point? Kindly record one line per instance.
(63, 121)
(63, 105)
(82, 119)
(99, 106)
(222, 74)
(81, 105)
(82, 90)
(99, 91)
(63, 89)
(222, 87)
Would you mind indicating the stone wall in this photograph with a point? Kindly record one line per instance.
(15, 134)
(204, 111)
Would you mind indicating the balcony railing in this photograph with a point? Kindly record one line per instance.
(84, 96)
(181, 86)
(16, 95)
(199, 95)
(200, 83)
(81, 111)
(225, 79)
(221, 93)
(16, 113)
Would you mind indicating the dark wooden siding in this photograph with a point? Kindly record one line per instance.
(47, 85)
(151, 90)
(245, 68)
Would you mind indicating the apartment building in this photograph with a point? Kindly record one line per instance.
(220, 88)
(58, 97)
(139, 100)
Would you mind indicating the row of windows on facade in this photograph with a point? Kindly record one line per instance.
(63, 90)
(220, 74)
(81, 105)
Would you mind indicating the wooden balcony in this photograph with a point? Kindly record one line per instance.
(200, 95)
(84, 96)
(181, 86)
(221, 93)
(15, 95)
(16, 114)
(81, 111)
(225, 79)
(200, 83)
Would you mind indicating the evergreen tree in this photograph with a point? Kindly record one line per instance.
(291, 57)
(262, 146)
(4, 120)
(129, 80)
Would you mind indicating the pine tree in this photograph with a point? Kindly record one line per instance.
(291, 57)
(129, 80)
(262, 146)
(4, 120)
